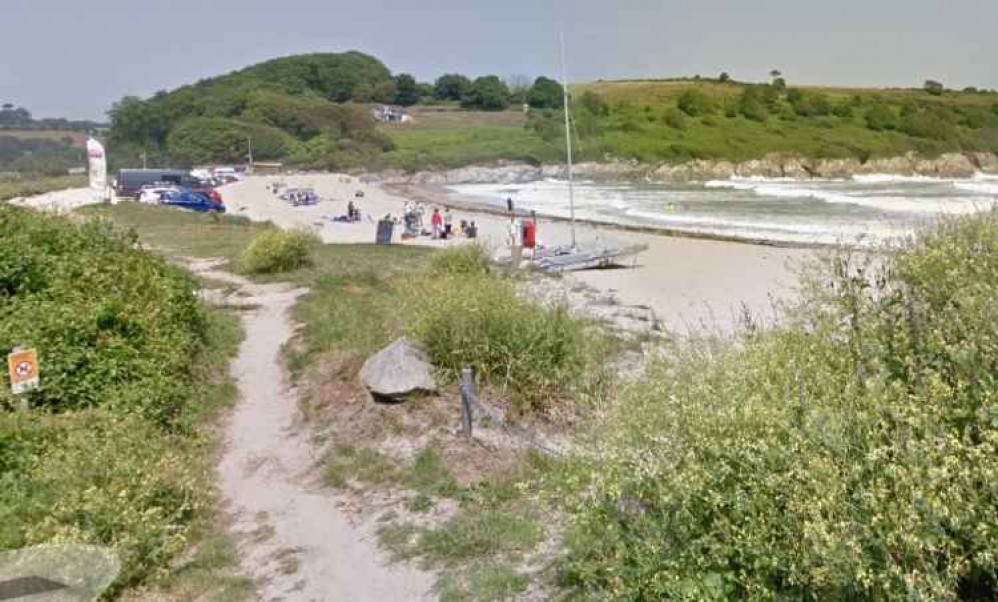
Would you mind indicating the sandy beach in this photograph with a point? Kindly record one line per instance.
(689, 283)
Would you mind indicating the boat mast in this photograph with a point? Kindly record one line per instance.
(568, 140)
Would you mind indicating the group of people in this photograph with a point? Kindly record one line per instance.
(441, 224)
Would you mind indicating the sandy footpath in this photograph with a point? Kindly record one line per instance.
(297, 543)
(689, 283)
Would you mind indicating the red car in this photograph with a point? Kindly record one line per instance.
(207, 190)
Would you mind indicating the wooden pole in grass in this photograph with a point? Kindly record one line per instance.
(467, 397)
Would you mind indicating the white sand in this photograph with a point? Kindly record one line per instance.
(60, 200)
(690, 283)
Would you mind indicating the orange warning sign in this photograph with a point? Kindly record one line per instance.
(23, 367)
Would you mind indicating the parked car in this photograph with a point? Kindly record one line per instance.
(194, 201)
(151, 194)
(208, 189)
(130, 181)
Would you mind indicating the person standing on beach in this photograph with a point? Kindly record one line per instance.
(515, 241)
(420, 212)
(436, 221)
(530, 234)
(509, 204)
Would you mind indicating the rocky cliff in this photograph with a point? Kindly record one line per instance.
(951, 165)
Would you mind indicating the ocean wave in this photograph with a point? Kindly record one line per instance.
(978, 187)
(886, 178)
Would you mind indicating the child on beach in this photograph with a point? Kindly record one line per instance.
(436, 221)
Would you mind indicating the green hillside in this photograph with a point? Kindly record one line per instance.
(676, 121)
(289, 106)
(311, 111)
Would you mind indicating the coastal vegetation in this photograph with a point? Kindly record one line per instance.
(848, 453)
(313, 111)
(111, 450)
(678, 121)
(844, 453)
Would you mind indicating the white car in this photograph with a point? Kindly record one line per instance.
(153, 194)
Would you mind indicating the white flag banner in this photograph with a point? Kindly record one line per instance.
(98, 166)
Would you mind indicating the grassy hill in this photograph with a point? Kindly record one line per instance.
(292, 108)
(675, 121)
(310, 111)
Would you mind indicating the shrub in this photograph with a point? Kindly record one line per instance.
(809, 104)
(110, 455)
(546, 94)
(848, 454)
(279, 251)
(926, 124)
(843, 110)
(675, 119)
(724, 77)
(695, 103)
(207, 139)
(751, 104)
(881, 118)
(464, 259)
(481, 322)
(113, 325)
(594, 104)
(487, 93)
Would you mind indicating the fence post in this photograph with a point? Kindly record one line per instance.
(467, 396)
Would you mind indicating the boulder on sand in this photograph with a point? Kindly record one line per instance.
(397, 371)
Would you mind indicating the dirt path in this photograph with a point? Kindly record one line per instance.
(297, 543)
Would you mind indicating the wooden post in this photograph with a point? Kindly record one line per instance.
(467, 395)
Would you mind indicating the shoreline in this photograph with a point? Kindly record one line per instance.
(437, 194)
(954, 165)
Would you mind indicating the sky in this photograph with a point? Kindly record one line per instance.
(74, 58)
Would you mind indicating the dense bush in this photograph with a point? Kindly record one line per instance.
(113, 325)
(110, 454)
(881, 117)
(752, 105)
(279, 251)
(809, 104)
(546, 94)
(207, 139)
(927, 124)
(487, 93)
(850, 454)
(468, 319)
(452, 86)
(695, 103)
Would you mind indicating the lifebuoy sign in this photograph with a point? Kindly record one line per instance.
(22, 364)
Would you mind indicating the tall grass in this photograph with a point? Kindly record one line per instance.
(849, 454)
(468, 317)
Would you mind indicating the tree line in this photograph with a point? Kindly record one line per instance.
(485, 93)
(13, 117)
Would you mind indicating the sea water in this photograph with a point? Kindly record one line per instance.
(862, 211)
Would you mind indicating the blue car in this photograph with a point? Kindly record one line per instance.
(194, 201)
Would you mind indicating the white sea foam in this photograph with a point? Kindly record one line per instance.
(751, 207)
(979, 187)
(886, 178)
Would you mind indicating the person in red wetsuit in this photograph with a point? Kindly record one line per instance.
(530, 233)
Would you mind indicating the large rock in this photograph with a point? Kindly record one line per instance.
(397, 371)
